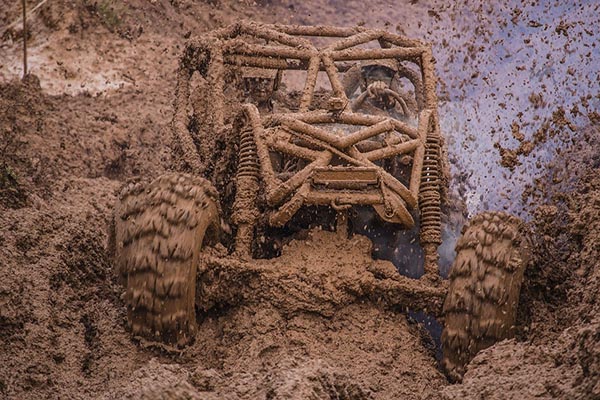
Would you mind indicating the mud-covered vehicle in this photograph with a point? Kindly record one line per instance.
(283, 130)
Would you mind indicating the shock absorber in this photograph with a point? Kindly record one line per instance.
(429, 203)
(245, 211)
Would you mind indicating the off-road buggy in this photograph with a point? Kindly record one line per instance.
(256, 173)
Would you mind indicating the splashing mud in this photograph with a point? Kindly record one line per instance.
(519, 89)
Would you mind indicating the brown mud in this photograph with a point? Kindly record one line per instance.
(64, 158)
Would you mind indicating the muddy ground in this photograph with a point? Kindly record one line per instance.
(95, 113)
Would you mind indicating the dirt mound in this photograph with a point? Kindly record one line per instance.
(22, 110)
(291, 381)
(517, 370)
(61, 306)
(59, 298)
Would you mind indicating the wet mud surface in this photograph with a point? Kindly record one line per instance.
(74, 133)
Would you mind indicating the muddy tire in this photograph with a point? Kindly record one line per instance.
(159, 231)
(485, 282)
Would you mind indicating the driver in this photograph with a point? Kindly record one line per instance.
(259, 86)
(379, 94)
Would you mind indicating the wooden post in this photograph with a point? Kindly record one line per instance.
(24, 38)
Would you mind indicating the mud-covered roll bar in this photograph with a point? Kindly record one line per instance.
(293, 47)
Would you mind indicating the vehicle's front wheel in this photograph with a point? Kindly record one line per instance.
(485, 283)
(159, 231)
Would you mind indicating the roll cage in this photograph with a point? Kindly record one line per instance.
(335, 169)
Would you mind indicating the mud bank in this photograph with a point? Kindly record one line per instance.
(62, 317)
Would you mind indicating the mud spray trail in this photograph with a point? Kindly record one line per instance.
(519, 101)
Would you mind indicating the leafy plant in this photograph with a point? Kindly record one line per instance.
(109, 15)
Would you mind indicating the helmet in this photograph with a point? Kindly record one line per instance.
(262, 74)
(259, 84)
(258, 73)
(384, 66)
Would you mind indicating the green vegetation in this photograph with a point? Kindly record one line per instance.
(107, 11)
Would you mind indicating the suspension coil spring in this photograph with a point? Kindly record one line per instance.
(429, 194)
(248, 166)
(245, 210)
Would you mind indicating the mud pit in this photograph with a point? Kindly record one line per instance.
(62, 318)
